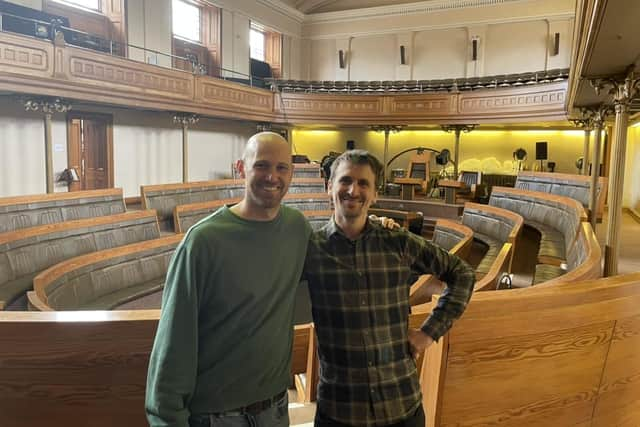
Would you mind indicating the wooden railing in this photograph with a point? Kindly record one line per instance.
(35, 66)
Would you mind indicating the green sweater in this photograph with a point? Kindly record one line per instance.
(225, 334)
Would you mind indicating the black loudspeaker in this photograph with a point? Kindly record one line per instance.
(403, 58)
(541, 150)
(341, 58)
(351, 144)
(474, 49)
(556, 44)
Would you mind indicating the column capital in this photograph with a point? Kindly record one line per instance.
(386, 128)
(47, 105)
(622, 89)
(592, 117)
(185, 119)
(458, 128)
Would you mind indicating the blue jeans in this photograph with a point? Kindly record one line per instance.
(275, 416)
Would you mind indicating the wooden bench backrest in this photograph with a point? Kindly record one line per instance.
(500, 224)
(31, 211)
(559, 356)
(65, 285)
(500, 266)
(453, 236)
(184, 216)
(577, 187)
(559, 212)
(24, 253)
(165, 197)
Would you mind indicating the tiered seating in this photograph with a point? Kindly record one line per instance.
(25, 253)
(185, 216)
(577, 187)
(165, 197)
(420, 86)
(493, 226)
(306, 170)
(105, 279)
(558, 220)
(29, 211)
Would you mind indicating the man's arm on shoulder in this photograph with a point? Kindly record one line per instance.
(173, 364)
(458, 276)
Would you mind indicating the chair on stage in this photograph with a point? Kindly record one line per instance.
(418, 176)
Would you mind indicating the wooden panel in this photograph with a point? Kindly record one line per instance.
(317, 107)
(25, 56)
(95, 155)
(233, 96)
(486, 378)
(619, 399)
(83, 66)
(431, 105)
(534, 101)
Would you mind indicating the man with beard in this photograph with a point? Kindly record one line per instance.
(359, 278)
(223, 346)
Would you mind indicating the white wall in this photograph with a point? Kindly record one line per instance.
(235, 43)
(439, 54)
(515, 48)
(147, 149)
(373, 56)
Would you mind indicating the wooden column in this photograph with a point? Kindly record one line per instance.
(623, 92)
(457, 129)
(48, 106)
(185, 120)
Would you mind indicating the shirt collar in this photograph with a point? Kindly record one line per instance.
(332, 229)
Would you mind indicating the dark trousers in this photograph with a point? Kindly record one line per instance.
(415, 420)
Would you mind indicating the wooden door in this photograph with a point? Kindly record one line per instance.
(90, 151)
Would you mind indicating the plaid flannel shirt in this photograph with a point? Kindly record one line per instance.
(360, 302)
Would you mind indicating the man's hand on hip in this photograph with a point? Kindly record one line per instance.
(418, 342)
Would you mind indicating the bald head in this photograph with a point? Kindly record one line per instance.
(268, 141)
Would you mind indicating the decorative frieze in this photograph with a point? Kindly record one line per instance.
(18, 55)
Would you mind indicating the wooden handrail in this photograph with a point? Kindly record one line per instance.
(72, 195)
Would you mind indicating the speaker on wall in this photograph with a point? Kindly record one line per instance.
(341, 58)
(556, 44)
(351, 144)
(541, 150)
(403, 58)
(474, 49)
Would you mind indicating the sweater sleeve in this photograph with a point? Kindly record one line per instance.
(173, 365)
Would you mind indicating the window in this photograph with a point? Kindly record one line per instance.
(186, 20)
(256, 41)
(86, 4)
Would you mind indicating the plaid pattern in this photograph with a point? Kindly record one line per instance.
(360, 301)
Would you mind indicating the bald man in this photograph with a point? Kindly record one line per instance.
(222, 351)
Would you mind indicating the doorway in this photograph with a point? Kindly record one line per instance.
(90, 150)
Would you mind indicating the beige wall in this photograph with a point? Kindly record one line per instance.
(515, 48)
(373, 58)
(479, 149)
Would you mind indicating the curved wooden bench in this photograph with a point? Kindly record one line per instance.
(577, 187)
(30, 211)
(561, 356)
(456, 239)
(25, 253)
(105, 279)
(165, 197)
(184, 216)
(493, 226)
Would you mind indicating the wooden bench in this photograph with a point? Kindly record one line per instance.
(105, 279)
(561, 356)
(557, 218)
(165, 197)
(577, 187)
(25, 253)
(30, 211)
(304, 362)
(456, 239)
(184, 216)
(494, 227)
